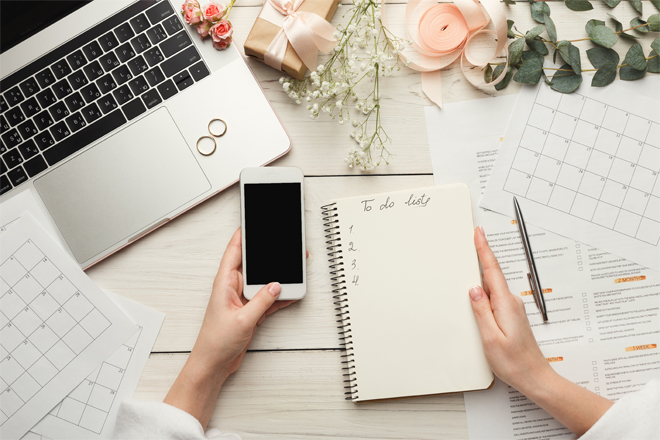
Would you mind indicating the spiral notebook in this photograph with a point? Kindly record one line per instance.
(401, 265)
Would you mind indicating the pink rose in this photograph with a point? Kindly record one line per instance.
(203, 29)
(222, 44)
(191, 12)
(221, 31)
(213, 11)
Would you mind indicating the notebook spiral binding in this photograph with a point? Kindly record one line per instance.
(337, 277)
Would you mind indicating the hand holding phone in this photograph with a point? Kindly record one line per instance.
(273, 229)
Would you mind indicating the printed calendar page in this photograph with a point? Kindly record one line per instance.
(584, 165)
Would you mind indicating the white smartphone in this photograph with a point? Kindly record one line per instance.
(273, 230)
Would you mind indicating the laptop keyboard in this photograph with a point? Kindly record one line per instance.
(92, 85)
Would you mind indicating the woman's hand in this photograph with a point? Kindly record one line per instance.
(227, 330)
(515, 357)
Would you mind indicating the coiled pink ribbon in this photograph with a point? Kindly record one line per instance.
(307, 32)
(443, 33)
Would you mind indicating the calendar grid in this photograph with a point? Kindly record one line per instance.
(45, 323)
(583, 157)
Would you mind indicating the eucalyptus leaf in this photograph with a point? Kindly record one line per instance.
(538, 46)
(562, 47)
(554, 56)
(551, 28)
(516, 50)
(539, 9)
(598, 56)
(628, 36)
(603, 36)
(653, 64)
(637, 4)
(488, 73)
(505, 82)
(509, 31)
(579, 5)
(509, 2)
(656, 45)
(529, 54)
(605, 75)
(566, 80)
(656, 3)
(613, 3)
(635, 57)
(635, 22)
(574, 59)
(530, 72)
(498, 70)
(654, 22)
(627, 73)
(591, 23)
(534, 32)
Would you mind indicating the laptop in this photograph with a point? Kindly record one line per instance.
(102, 105)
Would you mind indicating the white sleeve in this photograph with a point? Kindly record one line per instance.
(157, 420)
(635, 416)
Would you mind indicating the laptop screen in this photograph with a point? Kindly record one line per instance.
(22, 19)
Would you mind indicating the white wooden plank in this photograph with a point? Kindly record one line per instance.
(299, 395)
(172, 269)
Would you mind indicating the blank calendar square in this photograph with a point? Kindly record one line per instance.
(78, 306)
(570, 177)
(577, 155)
(547, 168)
(10, 337)
(11, 369)
(95, 323)
(28, 255)
(585, 133)
(93, 419)
(555, 147)
(607, 141)
(563, 125)
(101, 398)
(621, 171)
(44, 305)
(71, 410)
(525, 161)
(27, 321)
(60, 355)
(637, 128)
(650, 157)
(627, 223)
(77, 339)
(584, 207)
(533, 139)
(61, 290)
(43, 371)
(11, 271)
(45, 272)
(593, 111)
(643, 179)
(517, 182)
(9, 402)
(28, 288)
(653, 136)
(571, 104)
(615, 119)
(11, 304)
(539, 191)
(635, 201)
(541, 117)
(653, 209)
(561, 198)
(629, 149)
(43, 338)
(599, 163)
(649, 231)
(26, 354)
(605, 215)
(110, 376)
(548, 98)
(61, 322)
(26, 387)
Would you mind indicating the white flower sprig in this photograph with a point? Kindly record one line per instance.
(365, 51)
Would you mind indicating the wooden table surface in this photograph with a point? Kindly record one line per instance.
(290, 384)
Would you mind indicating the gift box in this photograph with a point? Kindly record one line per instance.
(265, 31)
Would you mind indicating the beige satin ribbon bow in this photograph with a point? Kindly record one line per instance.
(307, 32)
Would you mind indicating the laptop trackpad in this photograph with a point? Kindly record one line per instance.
(122, 185)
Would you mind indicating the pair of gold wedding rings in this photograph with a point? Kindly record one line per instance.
(214, 135)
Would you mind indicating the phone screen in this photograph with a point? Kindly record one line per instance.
(273, 233)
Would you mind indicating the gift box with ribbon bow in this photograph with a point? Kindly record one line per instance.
(288, 34)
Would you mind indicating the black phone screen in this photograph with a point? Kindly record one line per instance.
(273, 233)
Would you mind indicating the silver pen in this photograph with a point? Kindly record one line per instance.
(533, 275)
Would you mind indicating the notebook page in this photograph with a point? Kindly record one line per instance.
(409, 261)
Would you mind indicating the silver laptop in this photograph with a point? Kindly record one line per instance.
(101, 112)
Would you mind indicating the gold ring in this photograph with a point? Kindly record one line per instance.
(214, 146)
(221, 134)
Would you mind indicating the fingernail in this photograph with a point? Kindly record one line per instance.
(475, 293)
(481, 231)
(275, 289)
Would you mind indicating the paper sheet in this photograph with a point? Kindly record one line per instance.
(585, 166)
(56, 326)
(89, 411)
(12, 209)
(597, 302)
